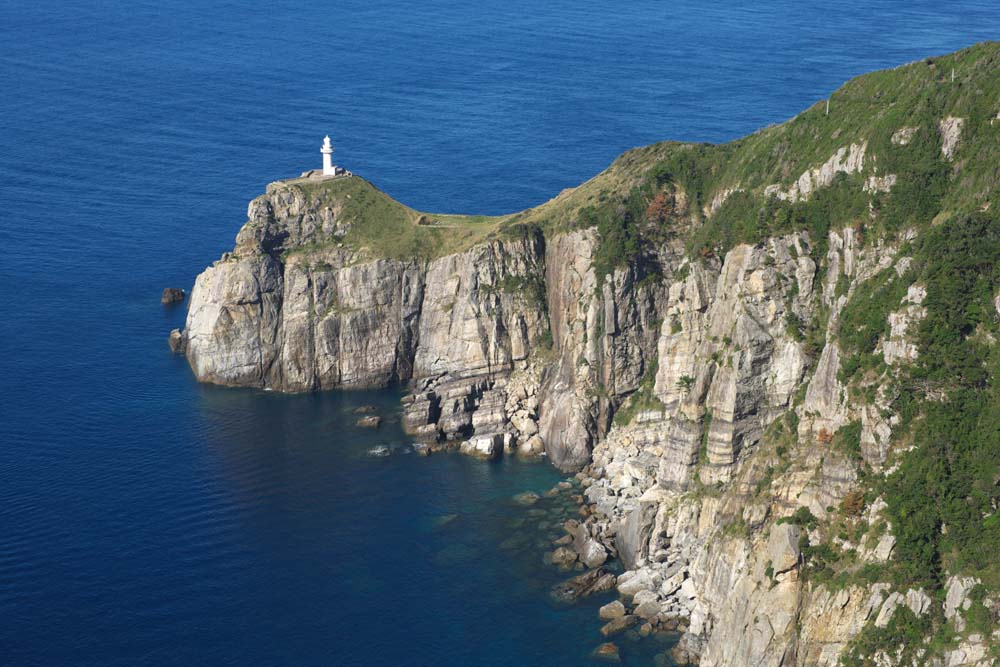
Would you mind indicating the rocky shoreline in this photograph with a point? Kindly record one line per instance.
(710, 350)
(559, 517)
(719, 426)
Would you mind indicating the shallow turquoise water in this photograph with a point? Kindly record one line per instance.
(145, 519)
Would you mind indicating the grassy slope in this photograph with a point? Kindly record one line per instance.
(387, 228)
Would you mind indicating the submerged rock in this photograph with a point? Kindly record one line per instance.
(607, 652)
(563, 557)
(527, 498)
(618, 625)
(372, 421)
(582, 585)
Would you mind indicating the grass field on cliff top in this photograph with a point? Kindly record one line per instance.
(387, 228)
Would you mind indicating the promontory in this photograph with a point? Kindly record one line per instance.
(773, 362)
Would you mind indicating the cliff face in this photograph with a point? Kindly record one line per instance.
(281, 314)
(690, 333)
(516, 338)
(688, 493)
(263, 316)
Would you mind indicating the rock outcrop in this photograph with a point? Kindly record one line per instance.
(172, 295)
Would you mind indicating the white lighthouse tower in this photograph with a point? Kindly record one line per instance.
(327, 150)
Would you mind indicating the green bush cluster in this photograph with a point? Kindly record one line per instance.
(905, 631)
(865, 319)
(942, 497)
(802, 517)
(621, 239)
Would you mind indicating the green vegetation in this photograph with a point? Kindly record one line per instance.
(624, 232)
(387, 228)
(943, 497)
(802, 517)
(865, 320)
(848, 440)
(905, 631)
(706, 427)
(530, 288)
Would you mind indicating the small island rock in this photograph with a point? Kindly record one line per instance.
(372, 421)
(527, 498)
(177, 341)
(172, 295)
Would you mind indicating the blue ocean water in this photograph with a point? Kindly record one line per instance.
(145, 519)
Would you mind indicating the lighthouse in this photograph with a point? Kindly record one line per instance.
(327, 150)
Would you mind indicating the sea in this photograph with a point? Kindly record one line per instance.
(146, 519)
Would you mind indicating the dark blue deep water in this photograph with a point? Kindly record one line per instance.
(145, 519)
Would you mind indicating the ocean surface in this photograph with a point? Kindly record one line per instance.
(145, 519)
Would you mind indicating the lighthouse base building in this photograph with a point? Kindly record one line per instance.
(329, 169)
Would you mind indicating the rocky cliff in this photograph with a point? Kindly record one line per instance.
(510, 337)
(734, 345)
